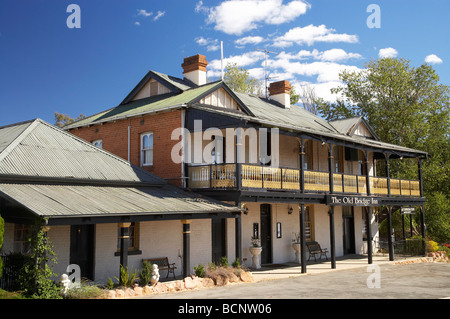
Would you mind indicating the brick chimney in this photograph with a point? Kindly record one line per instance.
(281, 92)
(194, 69)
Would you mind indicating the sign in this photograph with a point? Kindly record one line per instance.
(342, 200)
(408, 210)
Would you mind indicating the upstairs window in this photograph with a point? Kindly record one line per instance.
(147, 149)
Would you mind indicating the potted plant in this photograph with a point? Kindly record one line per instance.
(297, 246)
(255, 250)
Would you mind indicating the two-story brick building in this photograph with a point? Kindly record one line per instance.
(293, 173)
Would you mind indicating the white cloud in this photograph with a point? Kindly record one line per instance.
(433, 59)
(249, 40)
(243, 60)
(237, 16)
(337, 55)
(387, 53)
(159, 15)
(143, 12)
(332, 55)
(137, 23)
(311, 34)
(211, 44)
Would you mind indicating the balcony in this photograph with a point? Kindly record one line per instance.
(246, 176)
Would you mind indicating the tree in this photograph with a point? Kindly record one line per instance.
(239, 80)
(64, 119)
(406, 106)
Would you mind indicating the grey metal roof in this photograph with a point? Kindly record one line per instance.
(67, 201)
(55, 174)
(39, 149)
(258, 110)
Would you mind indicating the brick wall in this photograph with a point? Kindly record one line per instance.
(115, 140)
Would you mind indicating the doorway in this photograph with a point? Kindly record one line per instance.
(266, 234)
(348, 229)
(218, 239)
(82, 240)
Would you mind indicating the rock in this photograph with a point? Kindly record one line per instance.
(220, 280)
(179, 285)
(111, 294)
(246, 276)
(159, 287)
(120, 293)
(189, 283)
(207, 282)
(147, 290)
(129, 293)
(138, 291)
(233, 278)
(171, 286)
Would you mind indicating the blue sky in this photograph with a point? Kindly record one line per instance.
(47, 67)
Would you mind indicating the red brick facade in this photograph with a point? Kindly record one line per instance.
(114, 136)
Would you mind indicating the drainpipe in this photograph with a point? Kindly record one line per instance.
(129, 138)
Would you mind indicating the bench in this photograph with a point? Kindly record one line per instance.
(315, 249)
(163, 264)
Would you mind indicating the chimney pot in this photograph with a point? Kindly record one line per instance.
(281, 92)
(194, 69)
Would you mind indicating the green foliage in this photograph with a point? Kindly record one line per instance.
(236, 263)
(86, 291)
(239, 80)
(224, 261)
(432, 246)
(199, 270)
(110, 284)
(64, 119)
(35, 277)
(127, 278)
(146, 273)
(407, 106)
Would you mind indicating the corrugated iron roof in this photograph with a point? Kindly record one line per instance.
(54, 174)
(42, 150)
(64, 201)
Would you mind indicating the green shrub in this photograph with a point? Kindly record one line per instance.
(35, 276)
(224, 262)
(199, 270)
(236, 263)
(146, 273)
(432, 246)
(127, 278)
(86, 292)
(110, 284)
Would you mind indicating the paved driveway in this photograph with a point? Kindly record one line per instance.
(406, 281)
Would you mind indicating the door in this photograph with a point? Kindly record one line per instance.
(218, 239)
(266, 234)
(82, 249)
(348, 230)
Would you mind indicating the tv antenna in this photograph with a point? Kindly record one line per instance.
(266, 76)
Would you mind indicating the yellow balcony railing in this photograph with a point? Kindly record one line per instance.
(275, 178)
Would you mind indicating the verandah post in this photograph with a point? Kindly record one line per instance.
(124, 237)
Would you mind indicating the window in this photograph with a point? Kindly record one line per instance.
(21, 233)
(147, 149)
(98, 143)
(133, 243)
